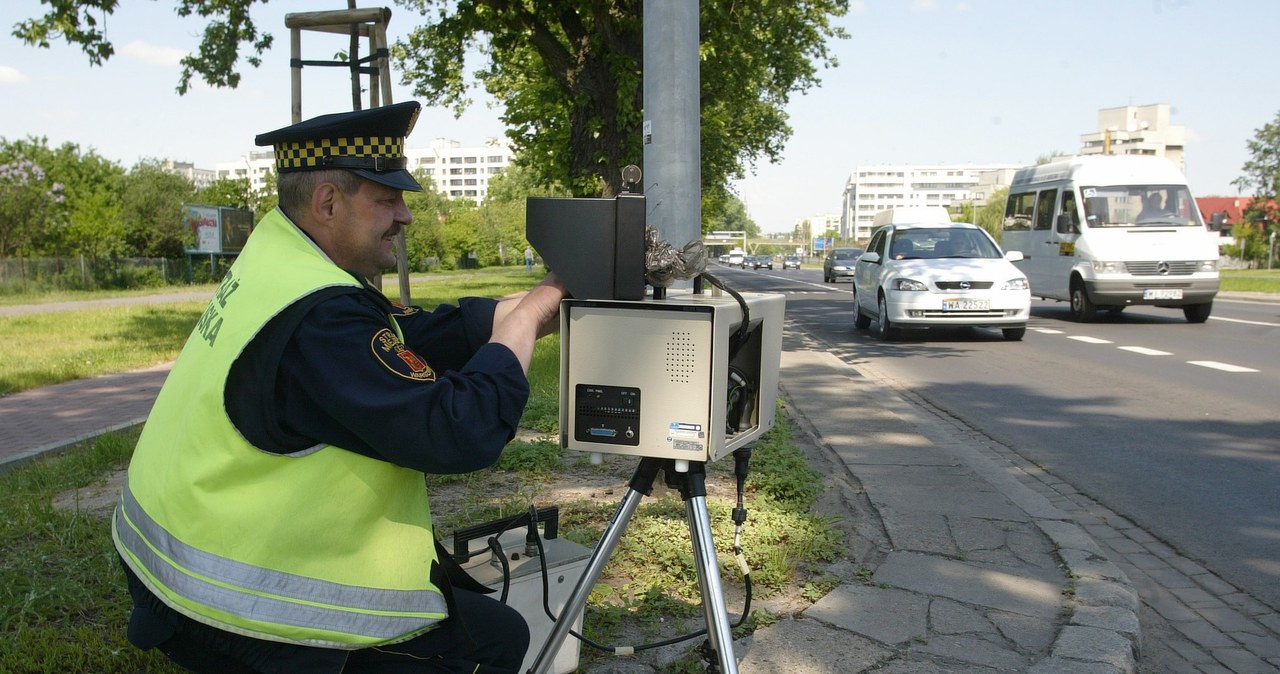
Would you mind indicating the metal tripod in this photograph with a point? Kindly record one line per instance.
(691, 478)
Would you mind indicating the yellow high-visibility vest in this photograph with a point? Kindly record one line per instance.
(323, 547)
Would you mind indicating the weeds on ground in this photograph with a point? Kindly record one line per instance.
(63, 603)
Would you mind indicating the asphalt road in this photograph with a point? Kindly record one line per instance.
(1173, 425)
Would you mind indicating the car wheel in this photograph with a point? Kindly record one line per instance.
(1083, 309)
(1197, 313)
(884, 328)
(861, 321)
(1013, 334)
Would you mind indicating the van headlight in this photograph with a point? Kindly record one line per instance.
(1207, 265)
(1019, 283)
(1108, 267)
(908, 284)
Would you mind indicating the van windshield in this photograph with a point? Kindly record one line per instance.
(1140, 206)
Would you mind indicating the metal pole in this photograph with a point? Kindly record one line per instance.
(672, 146)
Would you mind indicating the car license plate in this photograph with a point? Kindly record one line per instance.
(1162, 294)
(965, 305)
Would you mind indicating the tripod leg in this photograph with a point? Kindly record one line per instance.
(641, 484)
(704, 553)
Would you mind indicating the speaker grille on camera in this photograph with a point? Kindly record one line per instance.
(682, 354)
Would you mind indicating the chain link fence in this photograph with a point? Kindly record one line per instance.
(44, 274)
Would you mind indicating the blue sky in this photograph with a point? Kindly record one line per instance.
(923, 81)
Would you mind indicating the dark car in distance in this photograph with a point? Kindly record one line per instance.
(838, 264)
(790, 262)
(758, 261)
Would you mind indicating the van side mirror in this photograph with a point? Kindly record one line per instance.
(1067, 224)
(1217, 221)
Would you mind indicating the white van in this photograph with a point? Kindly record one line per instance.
(1107, 232)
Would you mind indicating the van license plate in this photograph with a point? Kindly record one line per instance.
(966, 305)
(1162, 294)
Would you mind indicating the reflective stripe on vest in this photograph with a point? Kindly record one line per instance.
(272, 596)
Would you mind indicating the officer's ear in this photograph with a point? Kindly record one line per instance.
(324, 201)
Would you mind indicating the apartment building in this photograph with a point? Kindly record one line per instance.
(460, 172)
(1137, 129)
(871, 189)
(454, 170)
(199, 177)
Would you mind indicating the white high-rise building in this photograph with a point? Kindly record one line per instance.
(871, 189)
(461, 172)
(1137, 129)
(455, 171)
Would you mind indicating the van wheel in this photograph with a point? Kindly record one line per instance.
(1013, 334)
(861, 321)
(1083, 310)
(885, 329)
(1197, 313)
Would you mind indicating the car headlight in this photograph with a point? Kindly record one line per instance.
(908, 284)
(1108, 267)
(1016, 284)
(1207, 265)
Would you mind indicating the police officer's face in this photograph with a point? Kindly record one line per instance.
(371, 219)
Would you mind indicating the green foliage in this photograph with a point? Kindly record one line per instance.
(539, 457)
(1251, 280)
(781, 473)
(38, 349)
(542, 414)
(61, 587)
(151, 214)
(990, 216)
(1261, 173)
(230, 192)
(725, 212)
(569, 78)
(27, 198)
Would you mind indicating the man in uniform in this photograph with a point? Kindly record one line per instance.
(275, 518)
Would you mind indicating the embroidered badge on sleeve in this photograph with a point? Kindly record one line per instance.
(398, 358)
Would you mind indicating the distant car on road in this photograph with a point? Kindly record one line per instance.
(758, 261)
(736, 258)
(790, 262)
(838, 265)
(939, 275)
(724, 259)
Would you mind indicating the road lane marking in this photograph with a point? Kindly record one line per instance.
(1144, 351)
(1047, 331)
(1089, 340)
(1241, 320)
(1225, 367)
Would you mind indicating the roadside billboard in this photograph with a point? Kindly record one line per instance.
(217, 229)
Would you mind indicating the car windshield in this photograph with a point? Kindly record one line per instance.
(846, 253)
(1140, 206)
(925, 243)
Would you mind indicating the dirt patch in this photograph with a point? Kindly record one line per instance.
(98, 499)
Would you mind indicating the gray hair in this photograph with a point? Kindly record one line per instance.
(295, 187)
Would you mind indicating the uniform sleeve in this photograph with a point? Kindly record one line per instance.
(448, 336)
(449, 404)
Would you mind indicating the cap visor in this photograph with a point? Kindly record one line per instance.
(400, 180)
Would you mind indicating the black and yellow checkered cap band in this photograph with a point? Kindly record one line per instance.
(375, 153)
